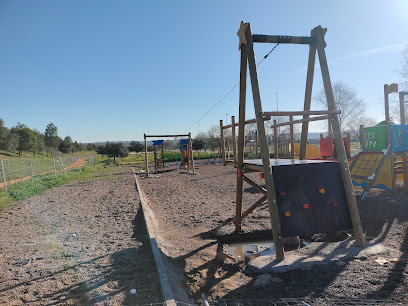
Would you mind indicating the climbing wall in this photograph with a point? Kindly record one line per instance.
(311, 198)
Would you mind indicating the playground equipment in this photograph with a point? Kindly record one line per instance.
(304, 197)
(382, 157)
(160, 160)
(187, 160)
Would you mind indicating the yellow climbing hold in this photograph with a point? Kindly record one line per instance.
(287, 213)
(322, 191)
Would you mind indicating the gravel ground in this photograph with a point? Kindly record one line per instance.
(194, 215)
(84, 243)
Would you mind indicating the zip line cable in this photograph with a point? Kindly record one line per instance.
(222, 99)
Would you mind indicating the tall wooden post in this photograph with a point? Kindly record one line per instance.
(234, 141)
(222, 143)
(292, 139)
(345, 171)
(266, 162)
(4, 175)
(189, 152)
(241, 138)
(308, 97)
(404, 153)
(275, 141)
(146, 161)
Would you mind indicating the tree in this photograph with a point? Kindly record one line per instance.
(51, 139)
(136, 146)
(27, 138)
(198, 144)
(8, 140)
(116, 149)
(347, 101)
(404, 68)
(66, 145)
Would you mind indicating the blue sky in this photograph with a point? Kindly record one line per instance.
(113, 70)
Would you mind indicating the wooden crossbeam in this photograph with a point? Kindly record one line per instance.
(252, 208)
(253, 184)
(279, 39)
(300, 121)
(301, 113)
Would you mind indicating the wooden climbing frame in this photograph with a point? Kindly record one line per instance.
(316, 44)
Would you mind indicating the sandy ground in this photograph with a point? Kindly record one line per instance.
(84, 243)
(195, 214)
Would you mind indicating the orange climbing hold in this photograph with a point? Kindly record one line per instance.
(305, 206)
(287, 213)
(322, 191)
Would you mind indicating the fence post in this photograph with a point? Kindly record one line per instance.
(31, 170)
(4, 175)
(55, 169)
(62, 163)
(79, 164)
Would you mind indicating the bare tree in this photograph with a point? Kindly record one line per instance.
(347, 101)
(404, 68)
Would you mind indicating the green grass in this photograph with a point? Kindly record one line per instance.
(27, 189)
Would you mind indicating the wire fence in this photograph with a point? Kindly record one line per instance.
(17, 170)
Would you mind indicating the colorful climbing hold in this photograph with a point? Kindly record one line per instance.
(261, 175)
(334, 204)
(327, 175)
(305, 206)
(301, 178)
(282, 194)
(239, 172)
(322, 191)
(287, 213)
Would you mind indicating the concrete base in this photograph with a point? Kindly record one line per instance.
(317, 253)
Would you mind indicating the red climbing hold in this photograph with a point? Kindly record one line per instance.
(334, 204)
(261, 175)
(282, 194)
(239, 172)
(305, 206)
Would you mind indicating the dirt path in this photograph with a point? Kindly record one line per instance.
(82, 243)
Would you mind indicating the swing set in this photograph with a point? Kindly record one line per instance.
(187, 161)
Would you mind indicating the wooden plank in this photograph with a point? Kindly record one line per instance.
(222, 144)
(292, 139)
(146, 158)
(273, 208)
(388, 122)
(300, 113)
(165, 136)
(253, 184)
(345, 172)
(300, 121)
(275, 140)
(252, 208)
(278, 39)
(241, 139)
(234, 141)
(308, 98)
(404, 154)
